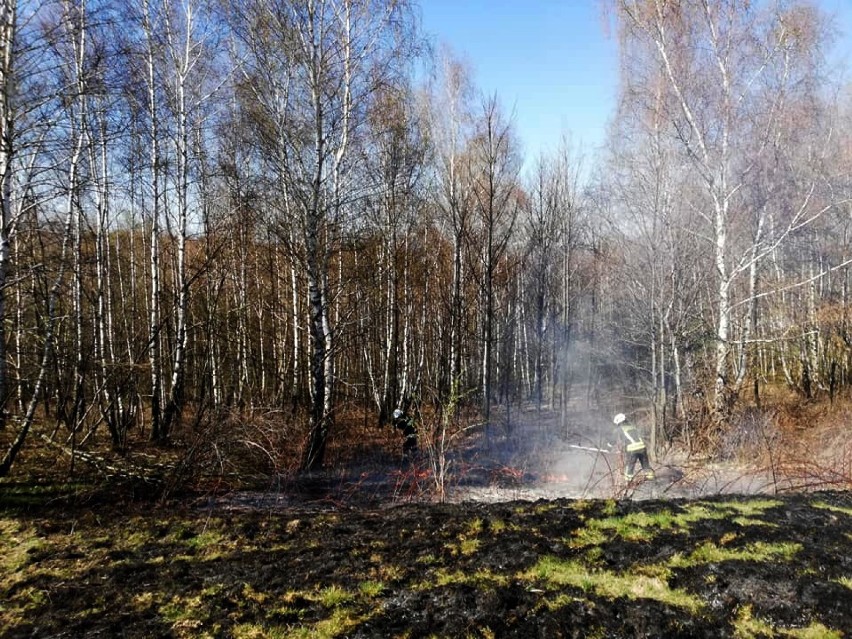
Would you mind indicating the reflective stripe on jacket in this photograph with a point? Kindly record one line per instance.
(634, 440)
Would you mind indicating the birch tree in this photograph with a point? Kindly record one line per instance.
(190, 44)
(67, 165)
(450, 120)
(8, 24)
(727, 66)
(337, 52)
(395, 166)
(151, 24)
(551, 230)
(494, 167)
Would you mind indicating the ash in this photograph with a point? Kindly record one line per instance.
(541, 459)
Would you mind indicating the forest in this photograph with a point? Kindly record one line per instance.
(259, 227)
(240, 237)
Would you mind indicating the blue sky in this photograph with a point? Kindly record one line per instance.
(550, 61)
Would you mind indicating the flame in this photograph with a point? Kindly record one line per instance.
(507, 473)
(554, 479)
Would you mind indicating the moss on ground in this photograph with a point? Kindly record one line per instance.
(683, 568)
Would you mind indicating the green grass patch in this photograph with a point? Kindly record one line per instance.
(540, 508)
(482, 578)
(582, 505)
(135, 539)
(447, 578)
(205, 539)
(645, 526)
(427, 560)
(371, 589)
(558, 573)
(485, 578)
(835, 509)
(333, 596)
(813, 631)
(639, 526)
(258, 631)
(497, 526)
(559, 601)
(468, 540)
(709, 552)
(748, 508)
(341, 621)
(593, 554)
(26, 601)
(465, 547)
(143, 600)
(752, 521)
(609, 507)
(473, 527)
(746, 626)
(593, 535)
(845, 581)
(251, 594)
(182, 608)
(16, 545)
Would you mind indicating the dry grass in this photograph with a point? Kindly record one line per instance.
(799, 444)
(809, 447)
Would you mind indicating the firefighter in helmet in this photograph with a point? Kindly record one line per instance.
(634, 447)
(409, 433)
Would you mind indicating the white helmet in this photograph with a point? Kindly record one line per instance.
(397, 414)
(619, 418)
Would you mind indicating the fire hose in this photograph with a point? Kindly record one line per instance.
(590, 448)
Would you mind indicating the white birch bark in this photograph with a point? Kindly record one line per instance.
(8, 25)
(155, 170)
(727, 68)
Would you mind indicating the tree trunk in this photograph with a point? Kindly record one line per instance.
(8, 24)
(154, 166)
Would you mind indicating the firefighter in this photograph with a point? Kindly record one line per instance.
(634, 448)
(409, 433)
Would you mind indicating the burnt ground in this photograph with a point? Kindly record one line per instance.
(720, 566)
(537, 537)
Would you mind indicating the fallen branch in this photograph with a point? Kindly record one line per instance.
(126, 471)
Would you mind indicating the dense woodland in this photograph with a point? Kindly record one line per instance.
(306, 209)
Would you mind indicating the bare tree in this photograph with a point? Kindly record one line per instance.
(730, 68)
(314, 108)
(494, 166)
(395, 164)
(68, 164)
(451, 118)
(656, 286)
(190, 43)
(8, 23)
(550, 229)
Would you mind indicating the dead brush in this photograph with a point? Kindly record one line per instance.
(442, 434)
(752, 435)
(233, 449)
(820, 462)
(412, 483)
(816, 453)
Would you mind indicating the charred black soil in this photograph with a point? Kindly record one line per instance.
(725, 566)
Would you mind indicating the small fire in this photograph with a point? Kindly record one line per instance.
(554, 479)
(506, 475)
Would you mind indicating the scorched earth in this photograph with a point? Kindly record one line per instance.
(722, 566)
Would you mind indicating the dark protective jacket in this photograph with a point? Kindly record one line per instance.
(406, 425)
(633, 441)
